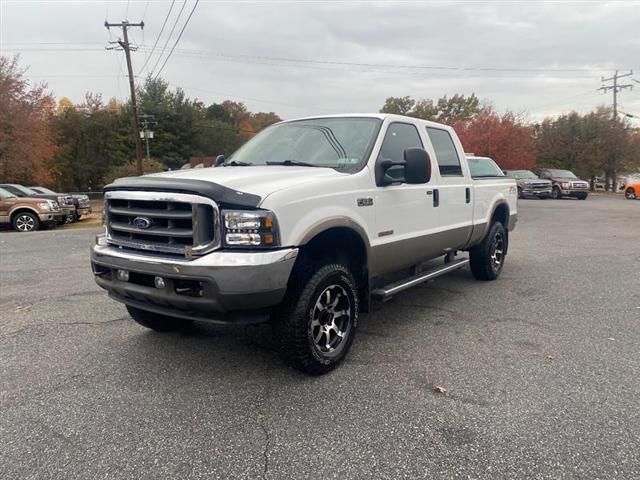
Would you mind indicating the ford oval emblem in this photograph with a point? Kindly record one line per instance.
(142, 223)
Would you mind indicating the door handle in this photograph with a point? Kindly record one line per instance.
(468, 194)
(436, 197)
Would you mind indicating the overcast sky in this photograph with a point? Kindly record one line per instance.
(306, 58)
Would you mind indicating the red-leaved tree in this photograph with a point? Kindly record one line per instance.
(505, 138)
(26, 138)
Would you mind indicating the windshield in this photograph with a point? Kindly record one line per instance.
(43, 190)
(25, 191)
(562, 173)
(6, 194)
(484, 167)
(323, 142)
(522, 174)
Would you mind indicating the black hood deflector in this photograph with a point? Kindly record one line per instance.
(222, 195)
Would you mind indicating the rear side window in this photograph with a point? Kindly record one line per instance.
(446, 152)
(399, 137)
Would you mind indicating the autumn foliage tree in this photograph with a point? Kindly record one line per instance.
(505, 138)
(27, 143)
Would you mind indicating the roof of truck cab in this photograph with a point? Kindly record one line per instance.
(380, 116)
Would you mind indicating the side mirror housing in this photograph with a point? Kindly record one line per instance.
(219, 161)
(417, 168)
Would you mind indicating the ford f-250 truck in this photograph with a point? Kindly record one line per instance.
(304, 225)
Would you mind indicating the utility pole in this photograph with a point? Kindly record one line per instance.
(616, 88)
(147, 134)
(611, 173)
(134, 106)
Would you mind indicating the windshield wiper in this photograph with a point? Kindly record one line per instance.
(236, 163)
(294, 163)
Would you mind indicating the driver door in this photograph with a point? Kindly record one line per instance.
(405, 215)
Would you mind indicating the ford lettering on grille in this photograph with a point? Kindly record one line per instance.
(142, 223)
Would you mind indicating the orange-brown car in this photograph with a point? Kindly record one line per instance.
(27, 214)
(631, 188)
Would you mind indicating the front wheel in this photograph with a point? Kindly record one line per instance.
(556, 194)
(159, 323)
(630, 193)
(316, 323)
(26, 222)
(583, 196)
(487, 258)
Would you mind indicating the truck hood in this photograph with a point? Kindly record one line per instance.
(259, 180)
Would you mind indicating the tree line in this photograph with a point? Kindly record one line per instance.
(591, 145)
(81, 147)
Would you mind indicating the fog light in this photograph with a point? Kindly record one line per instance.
(159, 282)
(122, 275)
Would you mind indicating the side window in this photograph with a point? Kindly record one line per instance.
(544, 174)
(399, 137)
(446, 152)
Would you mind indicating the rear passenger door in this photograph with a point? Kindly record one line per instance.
(455, 205)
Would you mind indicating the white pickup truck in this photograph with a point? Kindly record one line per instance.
(303, 226)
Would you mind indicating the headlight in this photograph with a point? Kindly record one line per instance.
(243, 228)
(46, 206)
(565, 185)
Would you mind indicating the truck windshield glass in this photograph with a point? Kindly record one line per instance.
(44, 190)
(522, 174)
(484, 167)
(323, 142)
(27, 192)
(6, 194)
(562, 173)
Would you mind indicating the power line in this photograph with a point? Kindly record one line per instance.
(164, 47)
(158, 38)
(178, 39)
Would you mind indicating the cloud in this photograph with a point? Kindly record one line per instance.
(235, 38)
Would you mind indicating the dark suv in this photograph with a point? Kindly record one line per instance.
(529, 185)
(565, 184)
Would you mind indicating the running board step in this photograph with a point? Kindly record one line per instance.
(386, 292)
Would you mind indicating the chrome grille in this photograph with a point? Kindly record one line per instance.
(162, 222)
(579, 185)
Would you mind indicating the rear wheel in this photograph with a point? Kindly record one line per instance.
(25, 222)
(630, 193)
(154, 321)
(556, 194)
(316, 324)
(487, 258)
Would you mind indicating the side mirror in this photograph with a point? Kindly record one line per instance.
(417, 168)
(219, 161)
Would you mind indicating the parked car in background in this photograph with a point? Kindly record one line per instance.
(483, 167)
(631, 188)
(28, 214)
(64, 200)
(81, 202)
(529, 185)
(565, 184)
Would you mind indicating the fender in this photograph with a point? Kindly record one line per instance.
(23, 207)
(480, 229)
(332, 222)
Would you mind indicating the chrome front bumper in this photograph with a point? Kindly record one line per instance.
(226, 287)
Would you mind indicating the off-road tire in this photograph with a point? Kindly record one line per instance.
(481, 257)
(556, 194)
(25, 222)
(630, 193)
(154, 321)
(298, 326)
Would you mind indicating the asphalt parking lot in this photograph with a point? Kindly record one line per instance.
(541, 370)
